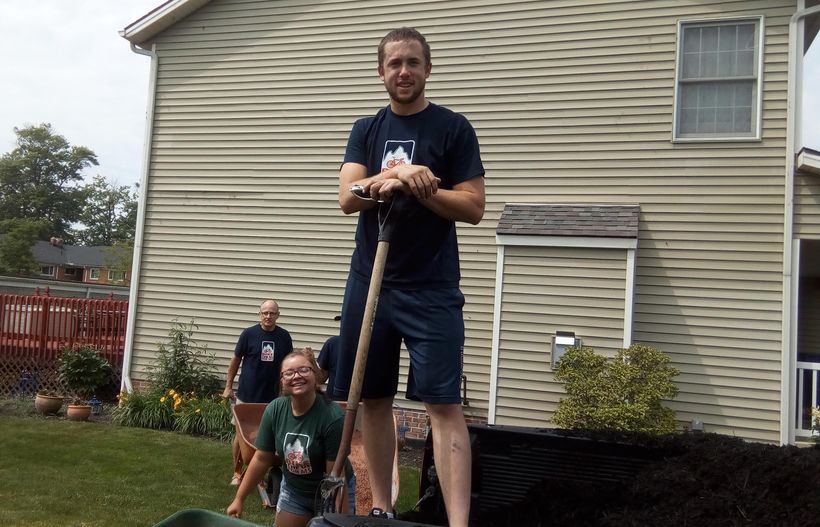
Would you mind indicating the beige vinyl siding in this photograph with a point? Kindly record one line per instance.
(572, 102)
(547, 289)
(806, 210)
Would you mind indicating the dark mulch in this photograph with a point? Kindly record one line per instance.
(707, 480)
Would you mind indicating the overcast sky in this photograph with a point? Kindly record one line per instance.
(64, 63)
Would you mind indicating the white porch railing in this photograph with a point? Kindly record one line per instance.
(808, 395)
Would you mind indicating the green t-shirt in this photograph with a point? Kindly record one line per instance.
(306, 443)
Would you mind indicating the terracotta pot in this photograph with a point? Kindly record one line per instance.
(47, 404)
(78, 412)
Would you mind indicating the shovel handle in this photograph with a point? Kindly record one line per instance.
(365, 334)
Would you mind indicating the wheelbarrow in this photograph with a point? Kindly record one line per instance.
(247, 417)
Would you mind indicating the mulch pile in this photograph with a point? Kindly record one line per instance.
(706, 480)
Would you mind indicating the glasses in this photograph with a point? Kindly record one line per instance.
(269, 313)
(301, 370)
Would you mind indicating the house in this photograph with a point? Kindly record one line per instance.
(74, 263)
(641, 188)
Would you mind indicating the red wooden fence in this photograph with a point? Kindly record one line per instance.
(37, 327)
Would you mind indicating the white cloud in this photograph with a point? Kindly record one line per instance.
(65, 64)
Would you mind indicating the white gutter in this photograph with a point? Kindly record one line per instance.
(789, 363)
(126, 385)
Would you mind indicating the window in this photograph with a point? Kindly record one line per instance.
(94, 273)
(116, 276)
(47, 270)
(71, 271)
(718, 80)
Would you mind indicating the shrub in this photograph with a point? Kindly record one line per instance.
(183, 365)
(209, 416)
(83, 371)
(623, 393)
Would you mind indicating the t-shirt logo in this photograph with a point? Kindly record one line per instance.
(268, 348)
(397, 153)
(297, 459)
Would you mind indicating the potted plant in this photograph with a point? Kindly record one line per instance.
(48, 402)
(83, 371)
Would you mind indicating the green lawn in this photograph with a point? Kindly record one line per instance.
(58, 472)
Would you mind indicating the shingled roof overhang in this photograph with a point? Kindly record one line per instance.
(160, 19)
(587, 224)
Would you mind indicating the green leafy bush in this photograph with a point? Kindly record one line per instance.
(183, 365)
(144, 410)
(184, 393)
(208, 416)
(623, 393)
(83, 371)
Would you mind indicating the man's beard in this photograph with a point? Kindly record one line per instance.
(416, 92)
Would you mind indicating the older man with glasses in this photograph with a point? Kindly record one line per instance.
(259, 350)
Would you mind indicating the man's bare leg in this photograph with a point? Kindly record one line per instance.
(451, 448)
(379, 439)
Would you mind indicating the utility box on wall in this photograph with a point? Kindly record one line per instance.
(560, 343)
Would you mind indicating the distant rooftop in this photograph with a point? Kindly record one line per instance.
(607, 221)
(74, 255)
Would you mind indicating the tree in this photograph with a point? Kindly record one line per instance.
(109, 214)
(39, 179)
(17, 236)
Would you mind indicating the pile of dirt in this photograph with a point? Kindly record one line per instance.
(705, 480)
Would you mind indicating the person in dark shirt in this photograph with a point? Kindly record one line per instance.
(416, 148)
(327, 361)
(259, 350)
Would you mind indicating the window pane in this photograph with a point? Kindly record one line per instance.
(744, 93)
(691, 66)
(726, 63)
(709, 38)
(746, 37)
(745, 63)
(689, 96)
(743, 120)
(725, 96)
(706, 120)
(691, 40)
(708, 64)
(727, 40)
(724, 120)
(688, 121)
(707, 96)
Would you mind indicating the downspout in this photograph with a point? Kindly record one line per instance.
(789, 363)
(126, 385)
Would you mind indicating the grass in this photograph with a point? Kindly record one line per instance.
(59, 472)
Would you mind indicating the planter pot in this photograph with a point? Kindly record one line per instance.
(78, 412)
(47, 404)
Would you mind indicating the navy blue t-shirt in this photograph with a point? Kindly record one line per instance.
(261, 353)
(327, 361)
(423, 248)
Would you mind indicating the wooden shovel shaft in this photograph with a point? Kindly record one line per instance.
(365, 334)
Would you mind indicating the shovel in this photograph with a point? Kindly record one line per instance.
(387, 214)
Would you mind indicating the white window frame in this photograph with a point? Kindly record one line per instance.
(51, 270)
(112, 276)
(94, 271)
(757, 97)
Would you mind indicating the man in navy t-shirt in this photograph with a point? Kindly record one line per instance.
(260, 350)
(431, 154)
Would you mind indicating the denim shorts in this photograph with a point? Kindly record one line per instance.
(295, 503)
(431, 324)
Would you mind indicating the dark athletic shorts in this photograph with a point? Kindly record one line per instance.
(432, 326)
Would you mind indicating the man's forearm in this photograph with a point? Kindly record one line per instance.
(456, 205)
